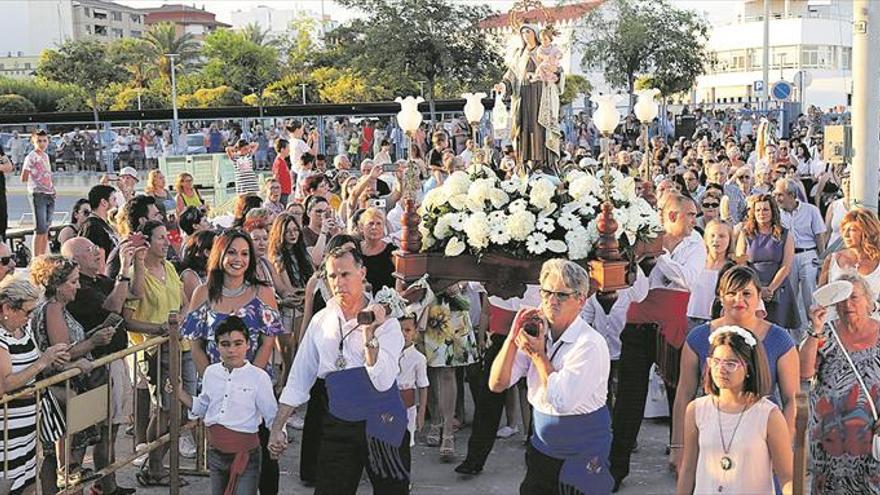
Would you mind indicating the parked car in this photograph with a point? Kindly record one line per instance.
(196, 144)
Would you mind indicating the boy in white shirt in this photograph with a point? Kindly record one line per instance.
(413, 378)
(236, 396)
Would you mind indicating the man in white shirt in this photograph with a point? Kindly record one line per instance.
(656, 326)
(366, 425)
(565, 363)
(804, 222)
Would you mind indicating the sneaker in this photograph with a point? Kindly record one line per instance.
(507, 431)
(186, 447)
(141, 447)
(296, 421)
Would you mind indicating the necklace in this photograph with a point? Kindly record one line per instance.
(340, 358)
(236, 291)
(726, 461)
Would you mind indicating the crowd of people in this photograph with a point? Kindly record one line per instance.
(291, 317)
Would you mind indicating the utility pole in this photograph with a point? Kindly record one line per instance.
(175, 127)
(766, 55)
(304, 92)
(865, 103)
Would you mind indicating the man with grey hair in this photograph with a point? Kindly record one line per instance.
(565, 363)
(804, 222)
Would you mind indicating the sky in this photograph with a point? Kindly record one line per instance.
(716, 10)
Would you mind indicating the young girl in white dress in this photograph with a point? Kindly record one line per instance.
(735, 439)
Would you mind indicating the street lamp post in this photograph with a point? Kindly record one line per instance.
(646, 112)
(473, 112)
(304, 92)
(175, 127)
(409, 119)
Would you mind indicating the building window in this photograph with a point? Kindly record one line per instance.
(100, 30)
(136, 34)
(846, 58)
(27, 65)
(2, 67)
(117, 33)
(135, 18)
(117, 16)
(100, 14)
(87, 12)
(88, 29)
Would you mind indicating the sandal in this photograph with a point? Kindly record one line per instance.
(147, 479)
(447, 448)
(432, 439)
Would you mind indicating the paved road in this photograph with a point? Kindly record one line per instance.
(501, 476)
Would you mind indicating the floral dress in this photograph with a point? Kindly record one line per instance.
(260, 320)
(840, 422)
(448, 339)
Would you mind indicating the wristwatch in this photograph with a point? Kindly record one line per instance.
(372, 343)
(123, 278)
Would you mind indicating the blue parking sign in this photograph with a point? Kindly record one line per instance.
(781, 90)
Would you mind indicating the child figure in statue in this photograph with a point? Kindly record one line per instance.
(548, 57)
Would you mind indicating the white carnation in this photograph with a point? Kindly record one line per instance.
(579, 245)
(457, 183)
(520, 224)
(441, 228)
(476, 227)
(518, 205)
(541, 194)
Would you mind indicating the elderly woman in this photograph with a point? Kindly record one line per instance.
(841, 422)
(860, 231)
(51, 325)
(377, 253)
(565, 363)
(739, 290)
(20, 364)
(768, 247)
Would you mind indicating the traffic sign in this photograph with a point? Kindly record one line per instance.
(781, 90)
(803, 78)
(758, 86)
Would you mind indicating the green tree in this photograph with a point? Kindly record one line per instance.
(574, 86)
(253, 33)
(236, 61)
(16, 104)
(424, 40)
(44, 94)
(164, 40)
(221, 96)
(626, 38)
(138, 58)
(84, 63)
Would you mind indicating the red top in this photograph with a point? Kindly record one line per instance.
(282, 174)
(500, 320)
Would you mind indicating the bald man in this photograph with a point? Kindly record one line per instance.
(99, 296)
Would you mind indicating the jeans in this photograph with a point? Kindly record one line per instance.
(218, 465)
(43, 207)
(804, 277)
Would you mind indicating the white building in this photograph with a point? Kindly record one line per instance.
(814, 36)
(23, 36)
(277, 21)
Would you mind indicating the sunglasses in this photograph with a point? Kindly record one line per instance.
(560, 296)
(711, 205)
(5, 260)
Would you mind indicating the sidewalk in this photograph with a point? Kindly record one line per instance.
(66, 183)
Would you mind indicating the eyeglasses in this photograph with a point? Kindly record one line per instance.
(745, 177)
(560, 296)
(729, 365)
(711, 205)
(5, 260)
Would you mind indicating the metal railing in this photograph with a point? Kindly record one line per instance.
(81, 413)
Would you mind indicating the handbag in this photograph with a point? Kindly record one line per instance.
(875, 439)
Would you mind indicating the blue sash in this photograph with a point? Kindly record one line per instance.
(583, 443)
(352, 397)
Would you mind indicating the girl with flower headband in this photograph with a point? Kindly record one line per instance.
(735, 439)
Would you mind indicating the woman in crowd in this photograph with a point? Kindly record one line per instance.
(287, 253)
(233, 288)
(835, 213)
(257, 227)
(162, 293)
(20, 364)
(194, 265)
(710, 203)
(768, 247)
(243, 204)
(155, 187)
(739, 290)
(718, 239)
(841, 425)
(242, 157)
(319, 185)
(187, 195)
(51, 325)
(860, 231)
(734, 437)
(321, 226)
(378, 259)
(81, 210)
(272, 193)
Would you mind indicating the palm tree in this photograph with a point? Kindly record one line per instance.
(253, 33)
(163, 39)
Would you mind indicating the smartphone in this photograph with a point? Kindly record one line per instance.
(532, 326)
(376, 203)
(366, 317)
(113, 320)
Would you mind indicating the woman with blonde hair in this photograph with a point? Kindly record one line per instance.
(378, 254)
(155, 187)
(187, 195)
(718, 239)
(860, 231)
(768, 247)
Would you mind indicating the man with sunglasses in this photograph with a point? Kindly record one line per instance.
(7, 261)
(565, 363)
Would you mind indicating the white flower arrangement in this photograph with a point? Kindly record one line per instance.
(742, 332)
(479, 214)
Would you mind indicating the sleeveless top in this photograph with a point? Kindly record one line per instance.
(776, 343)
(752, 470)
(194, 200)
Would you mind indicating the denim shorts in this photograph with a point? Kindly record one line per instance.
(43, 206)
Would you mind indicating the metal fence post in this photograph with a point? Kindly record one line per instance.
(174, 406)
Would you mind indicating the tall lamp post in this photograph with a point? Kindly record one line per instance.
(409, 119)
(473, 112)
(175, 129)
(646, 111)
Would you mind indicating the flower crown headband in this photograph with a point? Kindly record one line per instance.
(742, 332)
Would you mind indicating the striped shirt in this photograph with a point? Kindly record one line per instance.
(245, 177)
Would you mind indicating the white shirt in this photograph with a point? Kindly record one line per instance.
(805, 223)
(317, 354)
(580, 383)
(238, 400)
(610, 324)
(677, 270)
(298, 147)
(413, 369)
